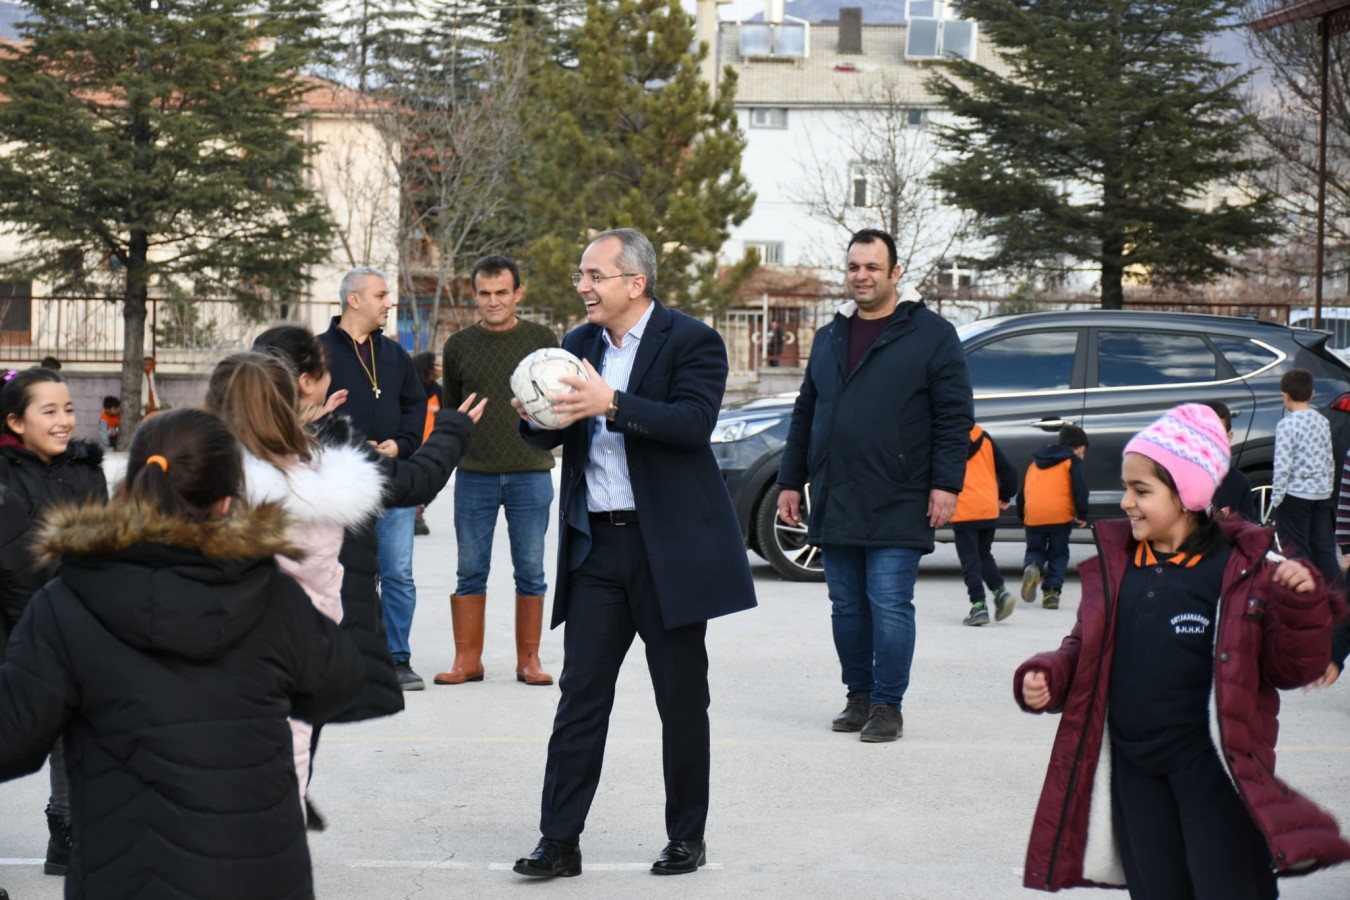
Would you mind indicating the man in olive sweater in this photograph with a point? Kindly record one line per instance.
(499, 470)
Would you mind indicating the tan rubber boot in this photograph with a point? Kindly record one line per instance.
(529, 623)
(466, 615)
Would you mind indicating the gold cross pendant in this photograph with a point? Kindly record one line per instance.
(377, 392)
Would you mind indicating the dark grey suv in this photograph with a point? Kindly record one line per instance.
(1111, 372)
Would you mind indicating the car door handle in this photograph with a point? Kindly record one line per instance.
(1050, 423)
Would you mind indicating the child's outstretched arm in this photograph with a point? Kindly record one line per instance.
(1295, 611)
(36, 690)
(1041, 684)
(329, 670)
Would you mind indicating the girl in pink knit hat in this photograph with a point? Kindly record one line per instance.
(1162, 777)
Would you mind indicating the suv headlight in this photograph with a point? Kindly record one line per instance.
(740, 429)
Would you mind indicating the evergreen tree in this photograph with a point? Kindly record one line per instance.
(162, 136)
(628, 135)
(1102, 144)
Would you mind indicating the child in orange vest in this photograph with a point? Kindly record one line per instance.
(991, 482)
(110, 422)
(1053, 500)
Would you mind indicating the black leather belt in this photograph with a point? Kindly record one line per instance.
(617, 516)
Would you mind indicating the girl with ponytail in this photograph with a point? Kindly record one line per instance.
(170, 649)
(41, 464)
(324, 490)
(408, 482)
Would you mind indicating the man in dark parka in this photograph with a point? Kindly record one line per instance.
(880, 432)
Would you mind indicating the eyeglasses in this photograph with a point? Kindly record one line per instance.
(594, 279)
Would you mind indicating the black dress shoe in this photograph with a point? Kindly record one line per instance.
(680, 857)
(550, 858)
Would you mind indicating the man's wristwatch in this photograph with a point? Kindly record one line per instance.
(612, 411)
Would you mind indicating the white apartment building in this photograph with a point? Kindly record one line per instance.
(839, 137)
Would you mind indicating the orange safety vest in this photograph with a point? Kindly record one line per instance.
(978, 499)
(1047, 495)
(433, 405)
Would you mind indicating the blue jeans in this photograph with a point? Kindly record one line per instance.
(872, 598)
(1048, 548)
(398, 592)
(527, 498)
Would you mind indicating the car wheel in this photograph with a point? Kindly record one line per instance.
(784, 546)
(1260, 481)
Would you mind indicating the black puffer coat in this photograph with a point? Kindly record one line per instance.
(169, 655)
(27, 487)
(408, 482)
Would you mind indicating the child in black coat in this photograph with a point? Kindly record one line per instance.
(170, 650)
(41, 464)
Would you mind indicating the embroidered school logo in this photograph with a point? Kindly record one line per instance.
(1190, 623)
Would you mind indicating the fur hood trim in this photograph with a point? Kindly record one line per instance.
(340, 486)
(906, 292)
(97, 530)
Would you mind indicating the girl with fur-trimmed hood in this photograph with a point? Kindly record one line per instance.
(408, 482)
(1162, 777)
(170, 649)
(324, 490)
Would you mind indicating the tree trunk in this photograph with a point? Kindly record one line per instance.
(1113, 244)
(133, 334)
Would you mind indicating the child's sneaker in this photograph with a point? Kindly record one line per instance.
(1050, 598)
(1003, 604)
(1031, 579)
(979, 615)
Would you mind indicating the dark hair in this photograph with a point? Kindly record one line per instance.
(423, 364)
(296, 346)
(110, 401)
(51, 362)
(1073, 436)
(255, 394)
(1298, 384)
(872, 235)
(1222, 411)
(201, 463)
(1207, 536)
(18, 393)
(494, 265)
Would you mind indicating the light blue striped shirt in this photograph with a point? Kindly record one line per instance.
(607, 483)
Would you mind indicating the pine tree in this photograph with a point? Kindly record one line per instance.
(162, 135)
(1103, 143)
(628, 135)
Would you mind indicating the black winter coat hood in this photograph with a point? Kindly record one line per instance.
(189, 589)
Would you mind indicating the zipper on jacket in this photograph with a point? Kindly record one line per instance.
(1246, 574)
(1092, 705)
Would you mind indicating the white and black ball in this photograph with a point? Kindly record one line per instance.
(537, 378)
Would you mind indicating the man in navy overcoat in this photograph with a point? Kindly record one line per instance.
(648, 545)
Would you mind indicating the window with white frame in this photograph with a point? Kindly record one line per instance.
(931, 34)
(860, 192)
(768, 117)
(770, 252)
(955, 273)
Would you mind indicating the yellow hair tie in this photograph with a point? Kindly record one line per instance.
(159, 461)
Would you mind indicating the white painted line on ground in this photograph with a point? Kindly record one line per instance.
(492, 867)
(21, 861)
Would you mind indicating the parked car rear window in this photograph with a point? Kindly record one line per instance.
(1125, 359)
(1243, 355)
(1025, 362)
